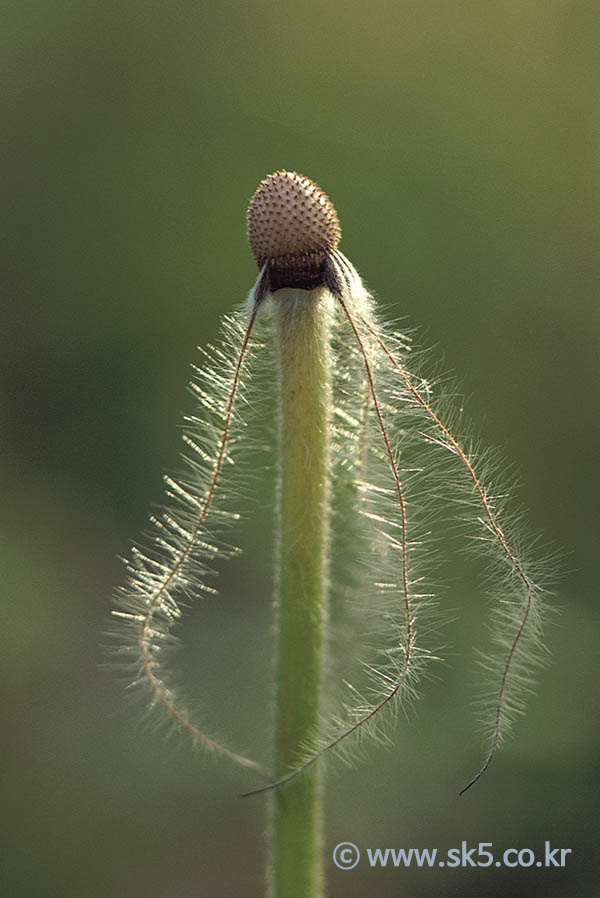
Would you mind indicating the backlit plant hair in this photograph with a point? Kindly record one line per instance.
(363, 450)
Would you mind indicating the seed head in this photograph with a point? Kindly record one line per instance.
(290, 214)
(292, 228)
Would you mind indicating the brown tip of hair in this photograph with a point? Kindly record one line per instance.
(289, 216)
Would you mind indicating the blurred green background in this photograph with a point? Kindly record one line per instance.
(459, 143)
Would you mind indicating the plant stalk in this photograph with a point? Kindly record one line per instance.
(303, 337)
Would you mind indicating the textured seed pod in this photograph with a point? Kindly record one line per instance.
(292, 228)
(290, 214)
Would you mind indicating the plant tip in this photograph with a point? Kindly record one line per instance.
(292, 229)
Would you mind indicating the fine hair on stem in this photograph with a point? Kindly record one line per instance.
(397, 453)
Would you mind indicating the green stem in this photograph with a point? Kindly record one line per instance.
(303, 335)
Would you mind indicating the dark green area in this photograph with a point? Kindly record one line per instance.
(459, 143)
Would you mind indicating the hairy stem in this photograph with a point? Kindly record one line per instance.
(303, 336)
(403, 672)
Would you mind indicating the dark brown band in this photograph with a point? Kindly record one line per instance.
(299, 272)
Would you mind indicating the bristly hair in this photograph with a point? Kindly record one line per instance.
(176, 562)
(390, 440)
(516, 584)
(393, 454)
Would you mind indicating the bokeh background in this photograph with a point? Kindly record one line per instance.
(459, 142)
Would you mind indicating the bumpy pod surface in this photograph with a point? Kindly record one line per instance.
(288, 215)
(293, 230)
